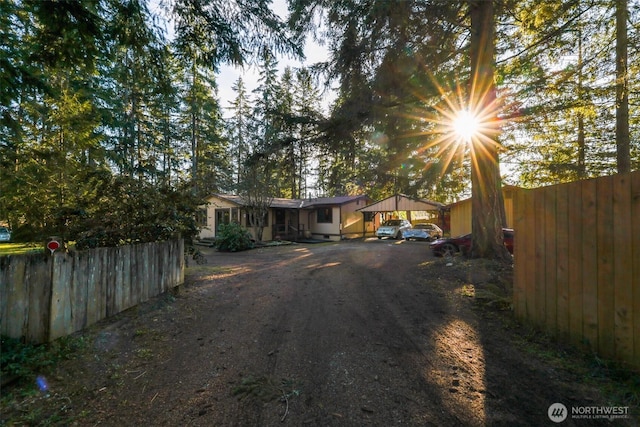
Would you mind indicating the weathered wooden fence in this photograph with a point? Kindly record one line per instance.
(577, 263)
(46, 297)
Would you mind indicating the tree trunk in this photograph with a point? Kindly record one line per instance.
(582, 145)
(622, 89)
(488, 214)
(194, 128)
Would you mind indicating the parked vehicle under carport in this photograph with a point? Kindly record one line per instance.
(393, 228)
(425, 231)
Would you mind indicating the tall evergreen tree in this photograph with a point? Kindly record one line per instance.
(623, 149)
(239, 128)
(487, 211)
(306, 137)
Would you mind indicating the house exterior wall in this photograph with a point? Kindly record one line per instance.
(461, 218)
(325, 230)
(346, 222)
(461, 214)
(236, 213)
(209, 230)
(353, 224)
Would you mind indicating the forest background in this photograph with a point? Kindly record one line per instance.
(112, 132)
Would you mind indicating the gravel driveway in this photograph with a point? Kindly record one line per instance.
(374, 332)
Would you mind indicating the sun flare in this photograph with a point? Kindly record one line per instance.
(465, 125)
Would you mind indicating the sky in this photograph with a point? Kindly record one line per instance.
(228, 75)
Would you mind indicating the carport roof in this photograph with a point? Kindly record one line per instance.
(402, 202)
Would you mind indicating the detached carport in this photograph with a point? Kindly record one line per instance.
(402, 202)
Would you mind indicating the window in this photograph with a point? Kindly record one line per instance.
(325, 215)
(201, 217)
(369, 216)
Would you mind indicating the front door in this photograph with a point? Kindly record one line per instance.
(223, 216)
(280, 224)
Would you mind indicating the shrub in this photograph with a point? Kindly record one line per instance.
(233, 238)
(25, 361)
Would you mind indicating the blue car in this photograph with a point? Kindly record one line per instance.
(427, 231)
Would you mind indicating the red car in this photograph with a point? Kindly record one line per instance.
(451, 245)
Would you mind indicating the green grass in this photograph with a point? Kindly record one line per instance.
(26, 248)
(19, 248)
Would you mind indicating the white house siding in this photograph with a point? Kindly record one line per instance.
(322, 230)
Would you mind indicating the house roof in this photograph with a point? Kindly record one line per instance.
(278, 202)
(324, 201)
(402, 202)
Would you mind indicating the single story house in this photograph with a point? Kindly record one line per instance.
(326, 218)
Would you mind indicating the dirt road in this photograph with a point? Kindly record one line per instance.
(346, 334)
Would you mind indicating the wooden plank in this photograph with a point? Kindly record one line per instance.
(38, 282)
(152, 284)
(589, 264)
(116, 302)
(109, 282)
(574, 251)
(132, 278)
(79, 290)
(519, 256)
(605, 248)
(140, 279)
(525, 241)
(550, 254)
(622, 267)
(531, 238)
(60, 320)
(93, 285)
(155, 254)
(539, 278)
(145, 271)
(635, 276)
(14, 316)
(165, 265)
(5, 292)
(562, 261)
(180, 262)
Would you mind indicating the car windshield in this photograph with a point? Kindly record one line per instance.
(4, 230)
(392, 223)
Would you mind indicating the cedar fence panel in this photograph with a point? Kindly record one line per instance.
(577, 263)
(46, 297)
